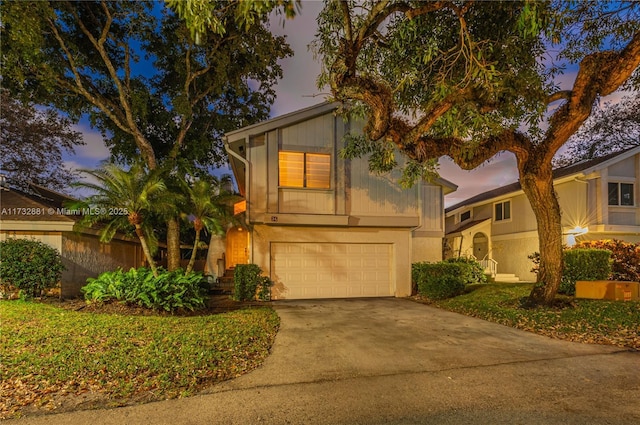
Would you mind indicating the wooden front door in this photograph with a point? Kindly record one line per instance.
(237, 247)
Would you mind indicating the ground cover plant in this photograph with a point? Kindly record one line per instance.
(580, 320)
(48, 352)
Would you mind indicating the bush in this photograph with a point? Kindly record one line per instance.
(439, 280)
(170, 291)
(248, 283)
(29, 266)
(584, 264)
(472, 270)
(625, 257)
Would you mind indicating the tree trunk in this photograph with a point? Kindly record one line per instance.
(173, 244)
(538, 187)
(192, 260)
(146, 250)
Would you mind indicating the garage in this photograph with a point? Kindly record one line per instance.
(331, 270)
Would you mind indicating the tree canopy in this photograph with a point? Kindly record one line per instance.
(472, 79)
(33, 141)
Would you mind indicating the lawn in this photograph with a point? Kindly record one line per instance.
(588, 321)
(47, 352)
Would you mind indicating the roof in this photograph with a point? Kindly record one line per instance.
(16, 205)
(582, 167)
(468, 225)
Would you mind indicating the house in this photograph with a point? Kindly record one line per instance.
(321, 226)
(598, 200)
(41, 215)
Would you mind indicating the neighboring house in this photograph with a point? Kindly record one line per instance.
(41, 215)
(598, 200)
(321, 226)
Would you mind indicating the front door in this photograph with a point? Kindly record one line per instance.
(480, 246)
(237, 247)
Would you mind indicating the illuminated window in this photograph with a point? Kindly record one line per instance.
(300, 169)
(502, 211)
(621, 194)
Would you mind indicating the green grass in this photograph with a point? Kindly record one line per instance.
(46, 351)
(589, 321)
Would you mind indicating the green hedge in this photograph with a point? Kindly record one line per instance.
(248, 283)
(170, 291)
(584, 264)
(439, 280)
(29, 266)
(472, 270)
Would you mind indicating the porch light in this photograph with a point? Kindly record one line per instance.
(576, 231)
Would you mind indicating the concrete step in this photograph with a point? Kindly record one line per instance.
(506, 278)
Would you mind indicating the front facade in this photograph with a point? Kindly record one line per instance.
(321, 226)
(42, 217)
(598, 200)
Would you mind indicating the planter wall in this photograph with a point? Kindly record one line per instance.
(608, 290)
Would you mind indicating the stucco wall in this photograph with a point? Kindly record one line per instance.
(426, 249)
(511, 254)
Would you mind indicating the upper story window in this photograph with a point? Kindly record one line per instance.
(502, 211)
(303, 169)
(465, 216)
(621, 194)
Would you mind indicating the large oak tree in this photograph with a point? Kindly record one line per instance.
(134, 70)
(470, 79)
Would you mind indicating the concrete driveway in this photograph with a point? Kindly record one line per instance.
(394, 361)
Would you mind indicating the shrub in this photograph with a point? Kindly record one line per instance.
(439, 280)
(472, 270)
(625, 257)
(29, 266)
(170, 291)
(248, 283)
(584, 264)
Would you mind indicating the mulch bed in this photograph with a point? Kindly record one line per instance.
(216, 304)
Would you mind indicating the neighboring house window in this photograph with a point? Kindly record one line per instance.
(502, 211)
(621, 194)
(302, 169)
(465, 216)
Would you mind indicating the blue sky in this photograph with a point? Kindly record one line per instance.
(298, 90)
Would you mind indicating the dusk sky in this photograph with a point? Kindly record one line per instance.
(298, 90)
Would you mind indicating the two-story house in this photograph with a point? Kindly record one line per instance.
(598, 200)
(321, 226)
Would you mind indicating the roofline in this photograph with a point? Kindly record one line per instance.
(599, 164)
(282, 120)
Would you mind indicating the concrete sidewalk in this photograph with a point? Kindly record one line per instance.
(395, 361)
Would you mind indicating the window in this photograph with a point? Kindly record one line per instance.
(621, 194)
(502, 211)
(301, 169)
(465, 216)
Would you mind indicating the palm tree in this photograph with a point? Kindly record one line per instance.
(124, 199)
(208, 208)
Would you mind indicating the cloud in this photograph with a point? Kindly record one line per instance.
(94, 147)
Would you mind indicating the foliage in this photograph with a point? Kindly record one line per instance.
(169, 291)
(472, 79)
(30, 266)
(33, 144)
(249, 283)
(586, 321)
(208, 208)
(440, 280)
(201, 16)
(472, 272)
(584, 264)
(124, 199)
(48, 352)
(612, 128)
(625, 258)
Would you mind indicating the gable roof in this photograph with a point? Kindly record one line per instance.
(582, 167)
(22, 206)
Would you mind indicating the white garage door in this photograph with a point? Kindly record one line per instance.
(330, 270)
